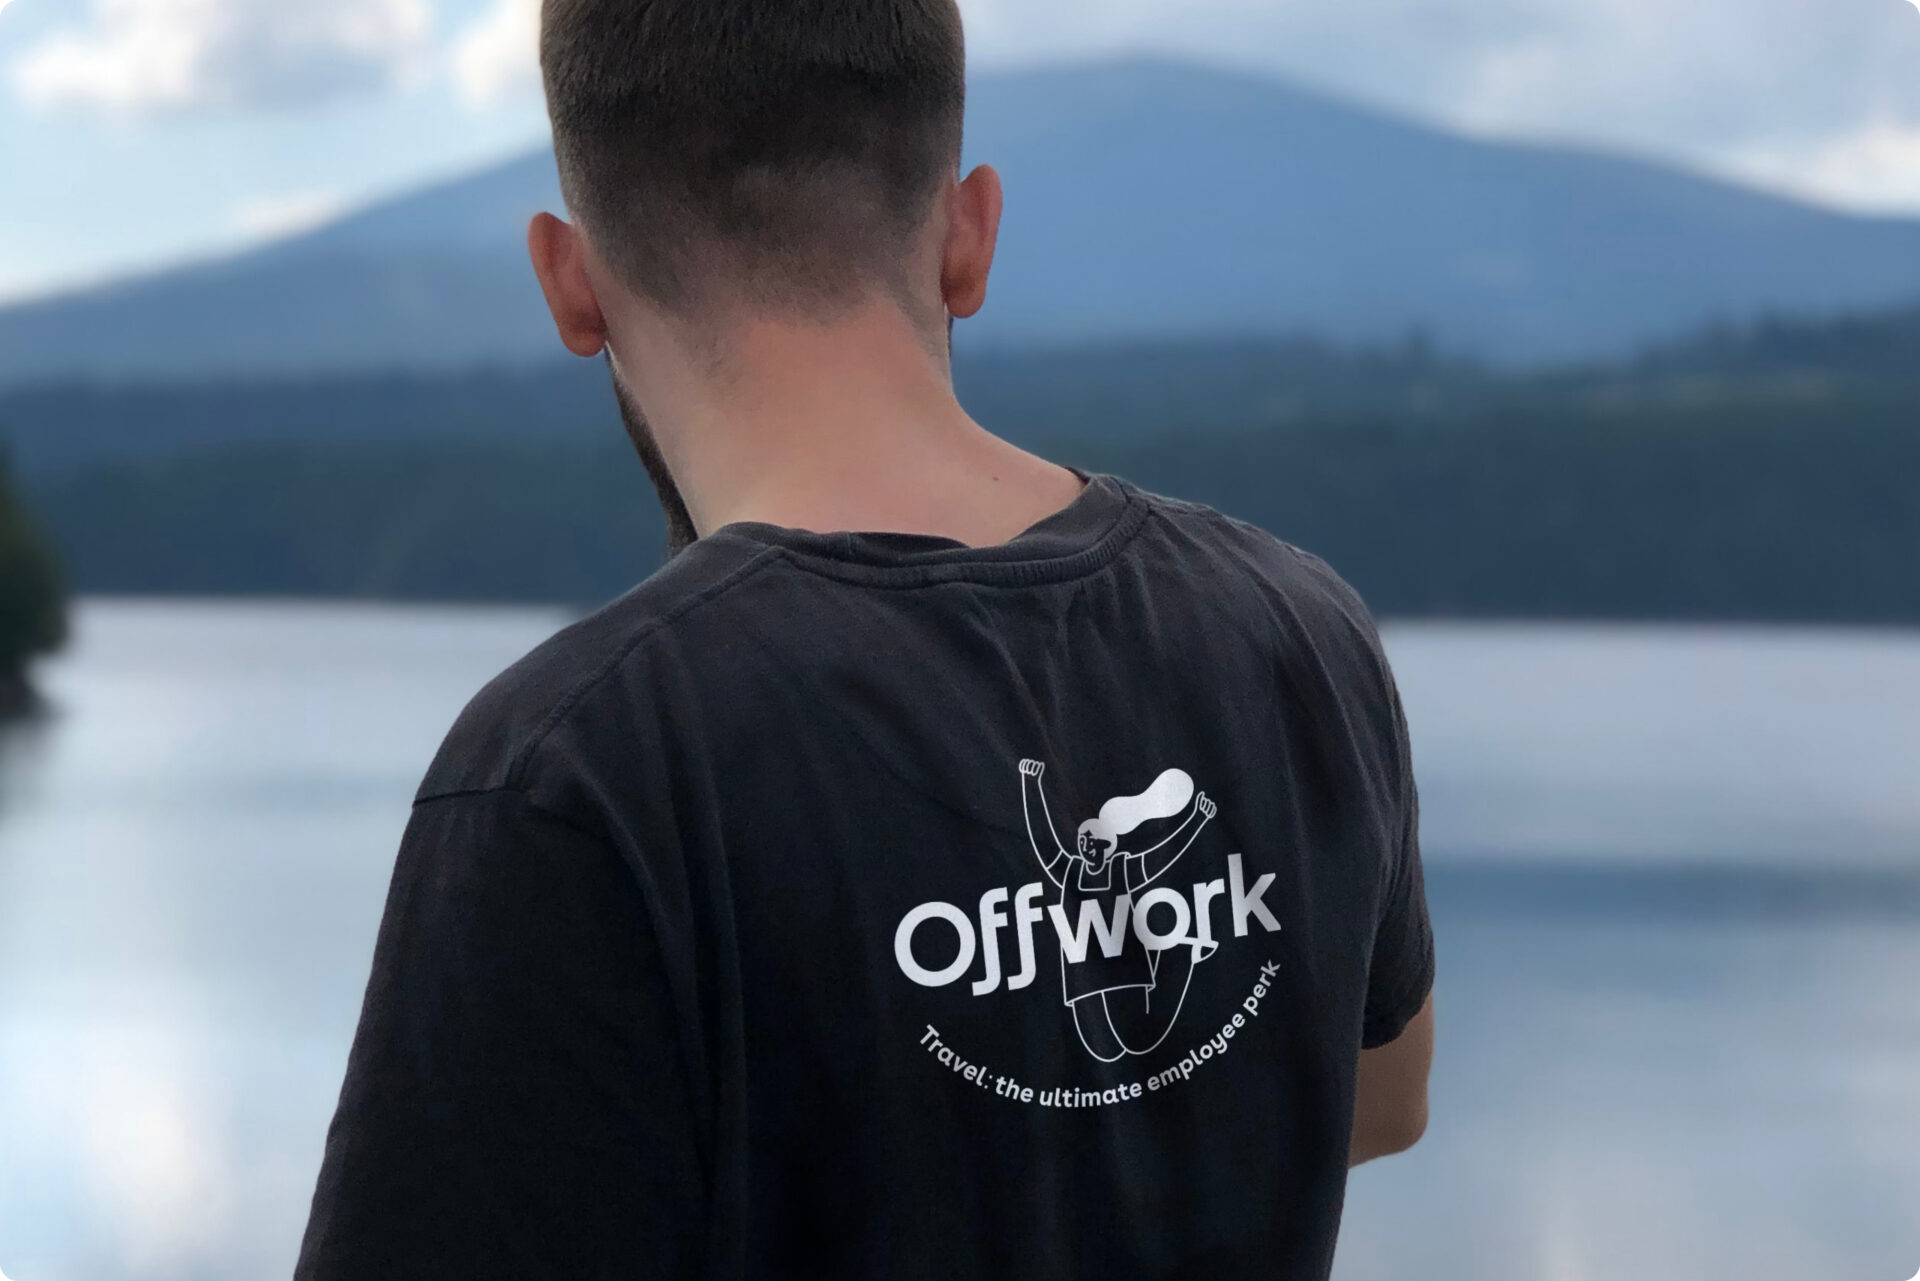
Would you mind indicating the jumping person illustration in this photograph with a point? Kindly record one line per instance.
(1113, 996)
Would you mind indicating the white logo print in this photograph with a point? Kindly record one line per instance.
(1111, 995)
(1128, 949)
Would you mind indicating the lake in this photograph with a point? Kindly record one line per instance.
(1675, 875)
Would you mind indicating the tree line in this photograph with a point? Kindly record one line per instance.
(1770, 473)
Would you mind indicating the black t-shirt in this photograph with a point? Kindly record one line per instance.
(871, 906)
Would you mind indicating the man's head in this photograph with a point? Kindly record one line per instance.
(784, 156)
(742, 162)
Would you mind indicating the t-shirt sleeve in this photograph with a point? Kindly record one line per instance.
(1400, 976)
(516, 1102)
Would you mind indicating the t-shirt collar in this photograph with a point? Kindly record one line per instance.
(1066, 543)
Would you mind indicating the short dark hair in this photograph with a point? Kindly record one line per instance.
(784, 151)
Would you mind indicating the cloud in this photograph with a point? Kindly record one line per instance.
(1713, 83)
(271, 217)
(1747, 88)
(1874, 168)
(497, 58)
(153, 56)
(1814, 98)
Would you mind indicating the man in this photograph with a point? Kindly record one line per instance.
(713, 942)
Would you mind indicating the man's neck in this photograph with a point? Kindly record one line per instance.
(848, 427)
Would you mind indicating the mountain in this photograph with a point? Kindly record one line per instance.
(1146, 201)
(435, 280)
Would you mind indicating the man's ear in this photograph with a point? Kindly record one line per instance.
(560, 261)
(973, 230)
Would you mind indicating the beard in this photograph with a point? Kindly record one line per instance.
(680, 531)
(679, 522)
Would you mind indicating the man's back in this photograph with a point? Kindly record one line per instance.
(874, 906)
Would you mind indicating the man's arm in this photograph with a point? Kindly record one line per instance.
(1390, 1098)
(1396, 1036)
(517, 1103)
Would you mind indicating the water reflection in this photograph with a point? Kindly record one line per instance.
(192, 857)
(1676, 874)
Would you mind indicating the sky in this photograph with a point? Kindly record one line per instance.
(138, 133)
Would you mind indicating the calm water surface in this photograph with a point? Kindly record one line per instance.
(1676, 875)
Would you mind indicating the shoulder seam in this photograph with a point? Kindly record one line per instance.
(1167, 510)
(519, 793)
(1214, 516)
(516, 769)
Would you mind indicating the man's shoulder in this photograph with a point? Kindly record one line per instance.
(1226, 552)
(1318, 631)
(497, 735)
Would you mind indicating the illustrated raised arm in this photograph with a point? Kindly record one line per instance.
(1055, 864)
(1151, 867)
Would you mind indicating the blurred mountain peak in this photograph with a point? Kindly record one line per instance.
(1148, 199)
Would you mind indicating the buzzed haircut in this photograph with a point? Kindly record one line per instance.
(782, 152)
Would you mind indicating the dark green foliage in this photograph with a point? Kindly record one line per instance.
(1777, 513)
(574, 523)
(1771, 473)
(1881, 348)
(1763, 512)
(33, 607)
(1127, 392)
(62, 426)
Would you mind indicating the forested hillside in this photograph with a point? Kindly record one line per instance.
(1771, 473)
(33, 606)
(1707, 514)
